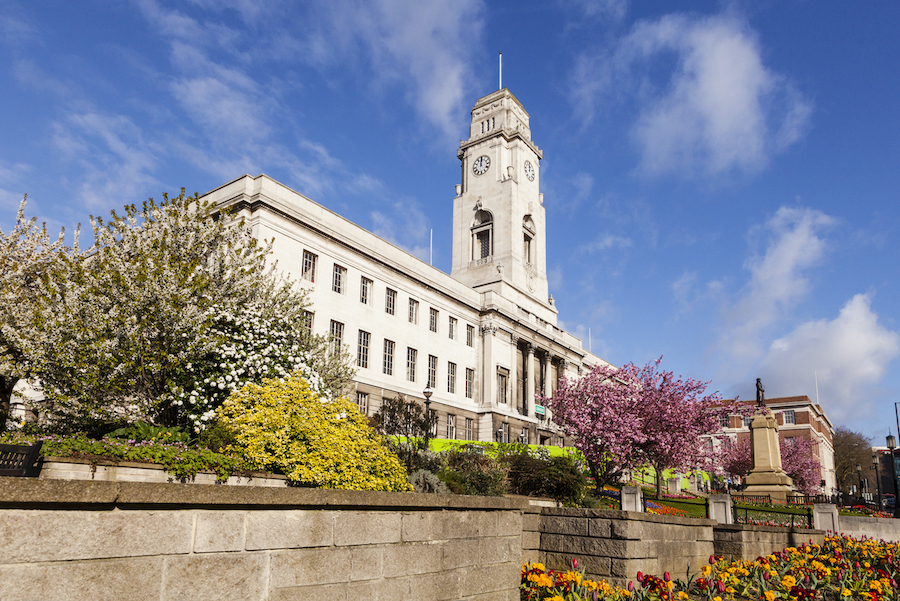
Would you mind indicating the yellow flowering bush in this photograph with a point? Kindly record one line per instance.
(283, 426)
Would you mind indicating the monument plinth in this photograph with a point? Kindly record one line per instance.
(767, 477)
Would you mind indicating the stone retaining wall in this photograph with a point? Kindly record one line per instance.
(615, 545)
(94, 540)
(880, 528)
(742, 541)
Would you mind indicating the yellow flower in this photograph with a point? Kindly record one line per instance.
(845, 592)
(682, 595)
(769, 595)
(788, 582)
(705, 571)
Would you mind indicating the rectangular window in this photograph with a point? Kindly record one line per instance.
(470, 335)
(339, 279)
(432, 371)
(789, 417)
(747, 421)
(723, 421)
(434, 420)
(451, 426)
(308, 271)
(390, 301)
(433, 319)
(504, 432)
(527, 248)
(451, 328)
(470, 383)
(470, 423)
(388, 362)
(413, 311)
(502, 378)
(483, 244)
(337, 335)
(411, 356)
(525, 437)
(451, 377)
(362, 401)
(365, 290)
(362, 349)
(308, 321)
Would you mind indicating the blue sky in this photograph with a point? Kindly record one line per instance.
(721, 179)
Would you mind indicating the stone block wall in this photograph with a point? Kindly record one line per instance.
(71, 540)
(615, 545)
(879, 528)
(742, 541)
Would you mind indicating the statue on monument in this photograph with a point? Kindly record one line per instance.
(767, 475)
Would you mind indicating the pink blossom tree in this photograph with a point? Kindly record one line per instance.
(602, 412)
(676, 414)
(625, 418)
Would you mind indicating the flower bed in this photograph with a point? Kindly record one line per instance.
(840, 569)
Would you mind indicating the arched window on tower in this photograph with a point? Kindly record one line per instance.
(528, 231)
(482, 235)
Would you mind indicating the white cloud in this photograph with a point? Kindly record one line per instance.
(607, 241)
(118, 163)
(599, 9)
(777, 279)
(428, 46)
(846, 353)
(720, 109)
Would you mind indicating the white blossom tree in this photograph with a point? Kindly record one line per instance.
(27, 256)
(162, 305)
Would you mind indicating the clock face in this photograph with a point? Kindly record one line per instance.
(529, 171)
(481, 165)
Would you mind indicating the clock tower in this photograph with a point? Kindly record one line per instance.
(499, 226)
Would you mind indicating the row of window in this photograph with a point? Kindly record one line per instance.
(363, 351)
(789, 417)
(339, 285)
(450, 431)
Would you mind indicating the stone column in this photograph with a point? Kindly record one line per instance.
(513, 371)
(488, 370)
(528, 401)
(545, 366)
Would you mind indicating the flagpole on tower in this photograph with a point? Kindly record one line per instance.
(501, 70)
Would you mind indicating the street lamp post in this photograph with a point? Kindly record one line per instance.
(427, 392)
(859, 490)
(875, 461)
(892, 444)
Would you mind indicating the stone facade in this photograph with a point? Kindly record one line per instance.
(485, 337)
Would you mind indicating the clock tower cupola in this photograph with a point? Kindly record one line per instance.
(499, 225)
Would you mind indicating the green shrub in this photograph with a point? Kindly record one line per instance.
(556, 477)
(180, 460)
(283, 426)
(468, 473)
(427, 482)
(142, 431)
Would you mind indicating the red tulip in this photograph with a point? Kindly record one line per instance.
(575, 564)
(712, 560)
(720, 586)
(766, 576)
(667, 577)
(640, 577)
(630, 586)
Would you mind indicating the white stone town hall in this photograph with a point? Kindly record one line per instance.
(484, 338)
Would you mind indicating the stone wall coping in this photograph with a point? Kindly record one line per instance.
(45, 461)
(32, 493)
(754, 528)
(617, 514)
